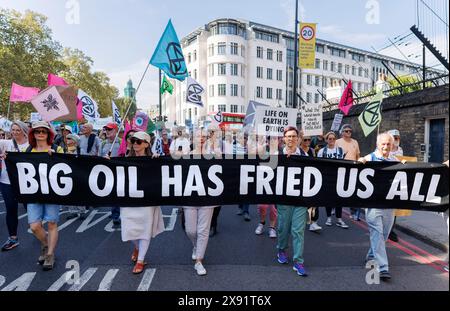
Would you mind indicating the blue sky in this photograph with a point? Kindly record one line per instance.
(120, 35)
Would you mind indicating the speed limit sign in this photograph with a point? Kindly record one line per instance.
(307, 33)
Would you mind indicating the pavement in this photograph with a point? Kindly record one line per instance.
(428, 227)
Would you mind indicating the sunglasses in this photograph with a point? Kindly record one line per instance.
(348, 131)
(136, 141)
(307, 139)
(108, 129)
(40, 132)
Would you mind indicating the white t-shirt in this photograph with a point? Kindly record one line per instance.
(8, 146)
(399, 152)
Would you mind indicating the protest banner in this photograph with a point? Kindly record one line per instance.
(35, 117)
(312, 119)
(337, 121)
(272, 121)
(297, 181)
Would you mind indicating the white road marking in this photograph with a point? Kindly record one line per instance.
(105, 284)
(146, 280)
(2, 280)
(87, 225)
(23, 216)
(21, 284)
(83, 280)
(172, 221)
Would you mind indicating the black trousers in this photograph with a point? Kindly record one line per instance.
(338, 211)
(215, 216)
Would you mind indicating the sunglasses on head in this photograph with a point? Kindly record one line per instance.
(136, 141)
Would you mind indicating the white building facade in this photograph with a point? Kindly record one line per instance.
(237, 61)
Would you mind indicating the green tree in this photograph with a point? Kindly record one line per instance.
(27, 54)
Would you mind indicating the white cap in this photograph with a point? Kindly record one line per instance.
(394, 133)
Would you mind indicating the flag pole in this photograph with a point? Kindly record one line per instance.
(9, 108)
(128, 109)
(160, 96)
(295, 55)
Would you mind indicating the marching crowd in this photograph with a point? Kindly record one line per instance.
(140, 225)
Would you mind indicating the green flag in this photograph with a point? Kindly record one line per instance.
(166, 86)
(370, 118)
(150, 126)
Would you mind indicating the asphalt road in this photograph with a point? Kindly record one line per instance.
(236, 259)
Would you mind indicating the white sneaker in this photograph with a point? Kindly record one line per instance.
(194, 254)
(260, 229)
(272, 233)
(342, 224)
(314, 227)
(333, 211)
(329, 222)
(200, 269)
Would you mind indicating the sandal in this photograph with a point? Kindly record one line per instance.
(134, 256)
(139, 267)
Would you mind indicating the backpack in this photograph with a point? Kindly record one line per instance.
(91, 141)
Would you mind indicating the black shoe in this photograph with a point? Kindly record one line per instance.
(116, 222)
(212, 232)
(393, 237)
(247, 216)
(385, 276)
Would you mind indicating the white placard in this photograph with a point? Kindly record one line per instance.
(338, 117)
(35, 117)
(100, 123)
(312, 122)
(272, 121)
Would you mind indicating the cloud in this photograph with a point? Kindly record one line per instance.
(337, 34)
(148, 93)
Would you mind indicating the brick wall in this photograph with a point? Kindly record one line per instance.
(407, 113)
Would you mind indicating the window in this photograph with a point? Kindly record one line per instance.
(279, 75)
(195, 74)
(279, 94)
(360, 71)
(243, 51)
(259, 72)
(243, 71)
(308, 80)
(222, 69)
(221, 48)
(242, 91)
(211, 70)
(316, 98)
(234, 69)
(234, 89)
(347, 69)
(398, 66)
(340, 68)
(269, 93)
(195, 55)
(337, 52)
(324, 82)
(222, 108)
(317, 81)
(259, 91)
(308, 97)
(222, 89)
(279, 56)
(267, 36)
(234, 48)
(234, 108)
(189, 58)
(269, 54)
(211, 91)
(211, 108)
(325, 65)
(259, 52)
(317, 63)
(211, 50)
(366, 73)
(320, 48)
(269, 74)
(333, 67)
(358, 57)
(354, 70)
(242, 109)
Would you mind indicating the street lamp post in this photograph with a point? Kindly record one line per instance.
(295, 55)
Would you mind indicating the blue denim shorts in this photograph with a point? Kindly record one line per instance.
(38, 212)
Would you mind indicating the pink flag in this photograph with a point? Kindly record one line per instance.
(346, 102)
(123, 145)
(22, 94)
(79, 109)
(55, 80)
(140, 121)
